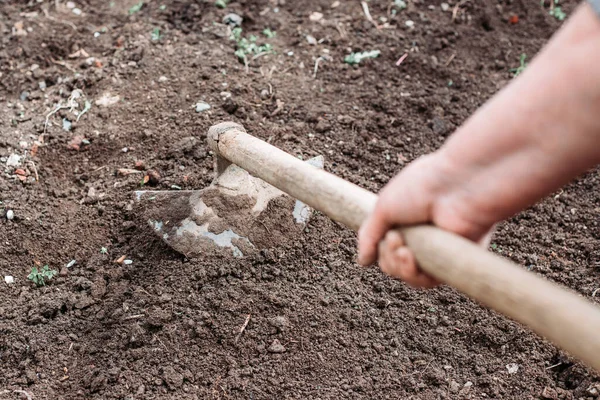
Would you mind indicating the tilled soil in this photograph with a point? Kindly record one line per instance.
(317, 326)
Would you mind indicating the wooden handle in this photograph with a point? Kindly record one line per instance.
(554, 312)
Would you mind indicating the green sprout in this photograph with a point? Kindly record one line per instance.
(103, 250)
(156, 36)
(555, 10)
(269, 33)
(248, 46)
(221, 3)
(356, 58)
(523, 64)
(398, 5)
(39, 277)
(136, 8)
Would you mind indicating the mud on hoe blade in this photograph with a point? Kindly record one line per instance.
(262, 196)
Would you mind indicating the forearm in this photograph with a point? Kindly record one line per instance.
(543, 129)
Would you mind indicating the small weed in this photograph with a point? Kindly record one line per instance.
(39, 277)
(558, 13)
(523, 64)
(221, 3)
(398, 5)
(356, 58)
(555, 10)
(248, 46)
(136, 8)
(103, 250)
(156, 36)
(269, 33)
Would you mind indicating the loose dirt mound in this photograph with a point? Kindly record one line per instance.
(319, 326)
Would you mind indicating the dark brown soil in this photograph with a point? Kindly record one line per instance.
(320, 327)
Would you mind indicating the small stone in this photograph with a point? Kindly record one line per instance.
(10, 215)
(233, 19)
(42, 85)
(24, 95)
(71, 263)
(9, 280)
(445, 7)
(202, 106)
(409, 23)
(173, 378)
(279, 322)
(163, 79)
(140, 165)
(125, 149)
(14, 160)
(512, 368)
(127, 262)
(454, 386)
(276, 347)
(323, 126)
(311, 40)
(264, 94)
(316, 16)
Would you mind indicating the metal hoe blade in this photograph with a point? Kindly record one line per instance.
(237, 214)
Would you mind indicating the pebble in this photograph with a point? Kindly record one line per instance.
(233, 19)
(14, 160)
(10, 215)
(454, 386)
(163, 79)
(276, 347)
(9, 280)
(71, 263)
(279, 322)
(409, 23)
(202, 106)
(512, 368)
(127, 262)
(42, 85)
(445, 6)
(311, 40)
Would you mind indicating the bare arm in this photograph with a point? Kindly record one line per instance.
(531, 138)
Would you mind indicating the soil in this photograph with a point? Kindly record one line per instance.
(317, 326)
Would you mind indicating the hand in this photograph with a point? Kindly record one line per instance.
(430, 190)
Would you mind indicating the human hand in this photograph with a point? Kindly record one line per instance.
(430, 190)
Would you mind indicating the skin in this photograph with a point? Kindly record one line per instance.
(531, 138)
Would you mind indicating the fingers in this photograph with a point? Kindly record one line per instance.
(369, 235)
(397, 261)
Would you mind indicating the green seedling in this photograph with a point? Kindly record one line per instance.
(397, 6)
(136, 8)
(156, 36)
(269, 33)
(248, 46)
(523, 64)
(163, 7)
(558, 13)
(356, 58)
(103, 250)
(39, 277)
(221, 3)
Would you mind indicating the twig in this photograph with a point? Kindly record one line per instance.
(37, 178)
(63, 64)
(243, 328)
(456, 7)
(554, 366)
(51, 18)
(450, 60)
(594, 293)
(24, 393)
(401, 59)
(365, 8)
(317, 66)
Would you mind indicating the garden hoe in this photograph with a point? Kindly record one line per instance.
(252, 178)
